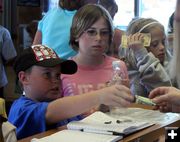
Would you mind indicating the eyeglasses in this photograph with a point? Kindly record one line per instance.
(102, 33)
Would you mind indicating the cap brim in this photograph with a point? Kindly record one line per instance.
(67, 66)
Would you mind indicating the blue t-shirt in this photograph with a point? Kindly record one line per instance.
(55, 29)
(29, 117)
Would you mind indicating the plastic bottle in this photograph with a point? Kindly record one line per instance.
(117, 75)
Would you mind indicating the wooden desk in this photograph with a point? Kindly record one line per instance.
(150, 134)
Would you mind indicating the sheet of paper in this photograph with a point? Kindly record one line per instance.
(129, 119)
(102, 122)
(77, 136)
(139, 114)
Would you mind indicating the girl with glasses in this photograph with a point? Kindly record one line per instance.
(91, 35)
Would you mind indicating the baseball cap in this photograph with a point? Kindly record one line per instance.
(41, 55)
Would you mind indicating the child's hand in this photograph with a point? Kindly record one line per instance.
(125, 82)
(115, 95)
(135, 41)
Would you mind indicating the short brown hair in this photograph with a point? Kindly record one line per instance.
(70, 4)
(84, 18)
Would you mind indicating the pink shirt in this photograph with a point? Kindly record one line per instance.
(89, 78)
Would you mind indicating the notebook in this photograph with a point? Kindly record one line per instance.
(77, 136)
(102, 123)
(97, 127)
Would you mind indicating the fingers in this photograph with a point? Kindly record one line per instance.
(158, 91)
(125, 82)
(123, 88)
(161, 99)
(156, 107)
(121, 102)
(116, 95)
(164, 109)
(166, 94)
(135, 40)
(124, 94)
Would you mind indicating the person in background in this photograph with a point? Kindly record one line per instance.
(110, 5)
(170, 34)
(112, 8)
(146, 65)
(30, 33)
(171, 23)
(168, 98)
(91, 34)
(7, 53)
(54, 28)
(84, 2)
(170, 37)
(41, 107)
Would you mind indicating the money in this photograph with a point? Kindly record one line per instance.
(143, 100)
(124, 41)
(146, 40)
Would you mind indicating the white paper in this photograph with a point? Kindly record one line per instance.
(131, 119)
(139, 114)
(97, 121)
(77, 136)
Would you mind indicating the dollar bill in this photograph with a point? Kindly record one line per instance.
(124, 41)
(143, 100)
(146, 40)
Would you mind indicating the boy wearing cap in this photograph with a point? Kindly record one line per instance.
(39, 69)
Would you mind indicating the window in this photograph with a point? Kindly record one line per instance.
(125, 13)
(160, 10)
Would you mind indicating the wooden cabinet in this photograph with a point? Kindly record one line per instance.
(15, 18)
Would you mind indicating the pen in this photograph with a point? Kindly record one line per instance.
(117, 133)
(103, 132)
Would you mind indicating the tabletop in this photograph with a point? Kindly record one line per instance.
(150, 134)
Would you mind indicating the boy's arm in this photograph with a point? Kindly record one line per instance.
(67, 107)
